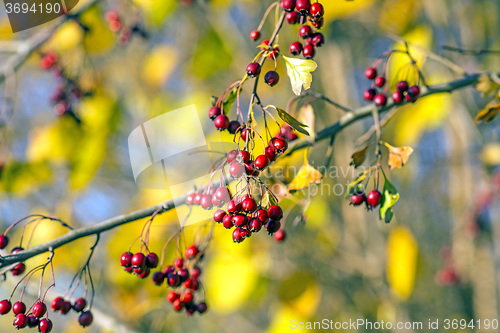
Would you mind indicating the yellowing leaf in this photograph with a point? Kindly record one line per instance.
(299, 71)
(158, 65)
(306, 176)
(359, 157)
(402, 251)
(292, 121)
(487, 86)
(398, 156)
(390, 196)
(489, 112)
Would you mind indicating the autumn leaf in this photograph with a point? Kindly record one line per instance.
(230, 99)
(489, 112)
(359, 157)
(402, 255)
(306, 176)
(299, 71)
(398, 156)
(390, 196)
(286, 117)
(486, 86)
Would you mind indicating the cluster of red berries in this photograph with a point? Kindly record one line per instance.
(19, 268)
(139, 263)
(403, 89)
(60, 304)
(286, 132)
(32, 320)
(209, 198)
(125, 33)
(297, 12)
(371, 200)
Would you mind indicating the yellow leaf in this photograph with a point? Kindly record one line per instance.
(359, 157)
(398, 156)
(306, 176)
(486, 86)
(490, 155)
(489, 112)
(402, 251)
(67, 37)
(299, 71)
(99, 38)
(159, 64)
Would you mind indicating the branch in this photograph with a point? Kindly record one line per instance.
(327, 132)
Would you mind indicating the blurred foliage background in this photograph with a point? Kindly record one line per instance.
(440, 256)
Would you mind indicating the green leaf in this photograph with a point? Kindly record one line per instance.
(359, 157)
(297, 125)
(299, 71)
(390, 196)
(229, 102)
(352, 187)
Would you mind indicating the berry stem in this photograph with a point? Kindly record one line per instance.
(274, 4)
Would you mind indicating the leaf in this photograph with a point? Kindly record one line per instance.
(390, 196)
(352, 187)
(487, 86)
(398, 156)
(489, 112)
(359, 157)
(230, 98)
(299, 71)
(306, 176)
(306, 116)
(292, 121)
(402, 255)
(490, 155)
(268, 200)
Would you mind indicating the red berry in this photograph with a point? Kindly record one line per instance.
(274, 212)
(254, 35)
(309, 51)
(370, 73)
(197, 198)
(249, 205)
(5, 306)
(139, 270)
(45, 325)
(202, 307)
(173, 280)
(374, 198)
(279, 235)
(231, 156)
(138, 260)
(172, 296)
(253, 69)
(380, 99)
(219, 215)
(236, 170)
(177, 305)
(272, 226)
(19, 307)
(305, 31)
(245, 156)
(318, 23)
(196, 272)
(79, 304)
(402, 86)
(179, 262)
(397, 96)
(261, 162)
(111, 15)
(239, 220)
(191, 252)
(288, 5)
(227, 221)
(296, 48)
(187, 297)
(261, 215)
(244, 233)
(293, 17)
(152, 260)
(379, 81)
(17, 249)
(317, 10)
(169, 269)
(85, 319)
(32, 321)
(222, 194)
(221, 122)
(270, 153)
(21, 321)
(237, 238)
(4, 241)
(233, 126)
(158, 278)
(303, 6)
(183, 274)
(57, 304)
(214, 112)
(272, 78)
(234, 206)
(249, 168)
(358, 198)
(66, 307)
(412, 94)
(318, 40)
(189, 200)
(254, 225)
(18, 269)
(48, 60)
(369, 94)
(206, 202)
(39, 309)
(279, 145)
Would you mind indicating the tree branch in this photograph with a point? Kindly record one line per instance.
(327, 132)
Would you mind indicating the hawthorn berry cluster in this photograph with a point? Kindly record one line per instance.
(64, 306)
(18, 268)
(371, 200)
(124, 32)
(139, 263)
(32, 320)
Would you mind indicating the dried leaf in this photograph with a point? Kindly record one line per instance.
(359, 157)
(297, 125)
(487, 86)
(398, 156)
(299, 71)
(489, 112)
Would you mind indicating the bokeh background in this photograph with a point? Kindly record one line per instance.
(438, 258)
